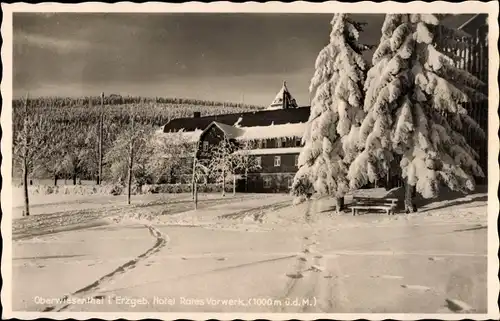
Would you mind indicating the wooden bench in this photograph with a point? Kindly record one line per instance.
(366, 203)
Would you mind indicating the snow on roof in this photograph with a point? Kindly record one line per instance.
(229, 131)
(468, 21)
(238, 122)
(273, 131)
(182, 136)
(278, 100)
(241, 133)
(271, 151)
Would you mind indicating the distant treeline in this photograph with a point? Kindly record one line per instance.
(124, 100)
(74, 130)
(149, 111)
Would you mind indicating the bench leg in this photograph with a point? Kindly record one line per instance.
(353, 212)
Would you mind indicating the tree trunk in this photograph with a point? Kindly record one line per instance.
(195, 195)
(234, 185)
(193, 180)
(223, 183)
(339, 204)
(129, 176)
(130, 154)
(246, 180)
(410, 192)
(26, 211)
(55, 180)
(74, 178)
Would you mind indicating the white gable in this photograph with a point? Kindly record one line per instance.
(277, 103)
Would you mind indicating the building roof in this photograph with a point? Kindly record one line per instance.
(248, 119)
(283, 99)
(474, 23)
(270, 151)
(231, 132)
(272, 131)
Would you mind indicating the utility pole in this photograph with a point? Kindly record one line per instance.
(131, 153)
(101, 121)
(195, 183)
(25, 160)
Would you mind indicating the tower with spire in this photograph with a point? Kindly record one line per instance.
(283, 99)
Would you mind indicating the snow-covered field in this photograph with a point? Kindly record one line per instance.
(265, 255)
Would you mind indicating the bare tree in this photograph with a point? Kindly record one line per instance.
(137, 154)
(77, 151)
(244, 162)
(30, 148)
(222, 162)
(129, 155)
(200, 172)
(169, 152)
(53, 158)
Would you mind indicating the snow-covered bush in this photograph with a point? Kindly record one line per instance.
(116, 189)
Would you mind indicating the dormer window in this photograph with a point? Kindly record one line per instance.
(205, 146)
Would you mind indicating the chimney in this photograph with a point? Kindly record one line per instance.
(196, 114)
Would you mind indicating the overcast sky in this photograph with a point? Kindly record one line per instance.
(223, 57)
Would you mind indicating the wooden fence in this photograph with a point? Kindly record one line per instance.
(473, 57)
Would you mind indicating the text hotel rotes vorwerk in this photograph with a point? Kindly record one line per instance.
(172, 301)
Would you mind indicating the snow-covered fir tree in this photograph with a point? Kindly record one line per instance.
(414, 108)
(336, 112)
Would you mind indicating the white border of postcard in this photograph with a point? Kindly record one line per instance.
(468, 7)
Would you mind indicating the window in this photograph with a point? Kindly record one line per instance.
(277, 161)
(259, 144)
(298, 142)
(264, 143)
(267, 182)
(278, 142)
(296, 160)
(205, 146)
(283, 142)
(258, 161)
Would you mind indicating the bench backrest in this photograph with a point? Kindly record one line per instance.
(374, 201)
